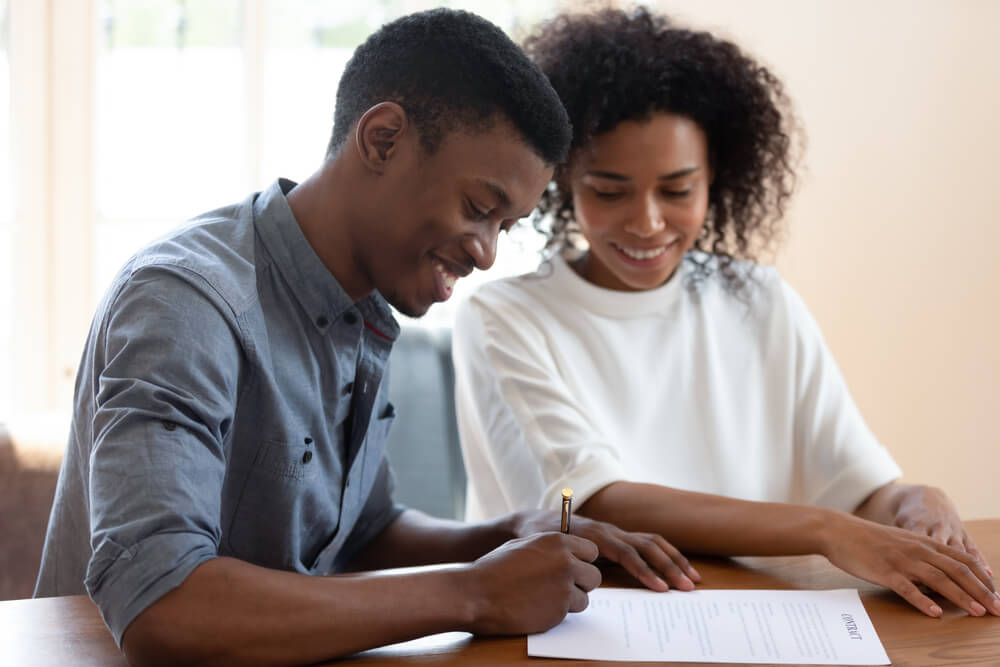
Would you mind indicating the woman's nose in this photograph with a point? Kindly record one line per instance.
(648, 222)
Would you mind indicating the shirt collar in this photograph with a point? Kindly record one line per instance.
(618, 304)
(315, 288)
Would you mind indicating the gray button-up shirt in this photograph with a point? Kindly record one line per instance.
(230, 401)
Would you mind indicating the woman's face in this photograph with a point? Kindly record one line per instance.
(640, 193)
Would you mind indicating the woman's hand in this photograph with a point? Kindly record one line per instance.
(923, 510)
(926, 510)
(903, 560)
(646, 556)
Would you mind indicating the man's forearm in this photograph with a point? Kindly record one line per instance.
(234, 613)
(708, 524)
(415, 538)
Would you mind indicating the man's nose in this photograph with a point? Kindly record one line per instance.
(482, 247)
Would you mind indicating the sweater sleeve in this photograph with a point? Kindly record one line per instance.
(842, 461)
(523, 435)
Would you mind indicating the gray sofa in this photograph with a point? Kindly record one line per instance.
(423, 445)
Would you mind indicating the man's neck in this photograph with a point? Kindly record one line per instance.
(322, 207)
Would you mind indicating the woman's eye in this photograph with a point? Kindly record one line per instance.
(676, 194)
(608, 195)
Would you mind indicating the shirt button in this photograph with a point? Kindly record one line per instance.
(322, 321)
(307, 457)
(349, 387)
(309, 441)
(350, 318)
(170, 426)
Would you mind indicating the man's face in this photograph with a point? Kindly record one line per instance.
(439, 215)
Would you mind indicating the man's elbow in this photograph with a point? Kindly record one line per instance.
(152, 640)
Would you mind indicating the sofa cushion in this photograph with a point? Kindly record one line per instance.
(423, 446)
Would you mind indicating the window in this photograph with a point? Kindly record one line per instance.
(200, 103)
(171, 120)
(6, 218)
(131, 116)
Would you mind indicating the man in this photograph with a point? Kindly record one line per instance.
(230, 414)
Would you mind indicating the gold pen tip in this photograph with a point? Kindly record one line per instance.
(567, 493)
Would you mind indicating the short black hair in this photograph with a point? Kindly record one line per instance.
(450, 70)
(616, 65)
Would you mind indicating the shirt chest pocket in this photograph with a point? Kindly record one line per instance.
(288, 508)
(365, 497)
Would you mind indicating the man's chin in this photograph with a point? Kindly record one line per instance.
(408, 308)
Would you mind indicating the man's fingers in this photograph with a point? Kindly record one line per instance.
(586, 576)
(582, 548)
(578, 601)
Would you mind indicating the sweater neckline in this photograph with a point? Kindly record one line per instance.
(616, 303)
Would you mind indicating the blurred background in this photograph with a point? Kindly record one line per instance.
(121, 118)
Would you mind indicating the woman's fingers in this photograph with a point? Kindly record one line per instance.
(647, 557)
(627, 556)
(946, 585)
(969, 545)
(677, 557)
(963, 572)
(666, 559)
(907, 590)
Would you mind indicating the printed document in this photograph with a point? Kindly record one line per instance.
(783, 627)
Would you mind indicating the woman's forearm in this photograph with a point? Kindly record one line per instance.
(708, 524)
(887, 555)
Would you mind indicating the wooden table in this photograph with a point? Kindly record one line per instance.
(69, 631)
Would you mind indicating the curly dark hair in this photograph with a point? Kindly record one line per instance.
(616, 65)
(450, 69)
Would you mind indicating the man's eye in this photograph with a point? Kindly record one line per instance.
(477, 213)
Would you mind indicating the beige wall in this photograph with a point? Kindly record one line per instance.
(894, 230)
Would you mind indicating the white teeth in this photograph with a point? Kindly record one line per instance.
(643, 254)
(449, 278)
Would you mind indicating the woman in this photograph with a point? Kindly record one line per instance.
(675, 385)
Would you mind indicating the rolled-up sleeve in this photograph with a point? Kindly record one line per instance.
(165, 393)
(524, 436)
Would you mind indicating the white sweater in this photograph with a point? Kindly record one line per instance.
(563, 383)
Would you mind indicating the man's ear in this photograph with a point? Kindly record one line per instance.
(378, 134)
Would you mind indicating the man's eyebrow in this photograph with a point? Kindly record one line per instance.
(503, 201)
(614, 176)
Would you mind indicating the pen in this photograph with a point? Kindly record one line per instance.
(567, 496)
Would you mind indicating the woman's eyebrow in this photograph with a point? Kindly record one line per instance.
(614, 176)
(679, 173)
